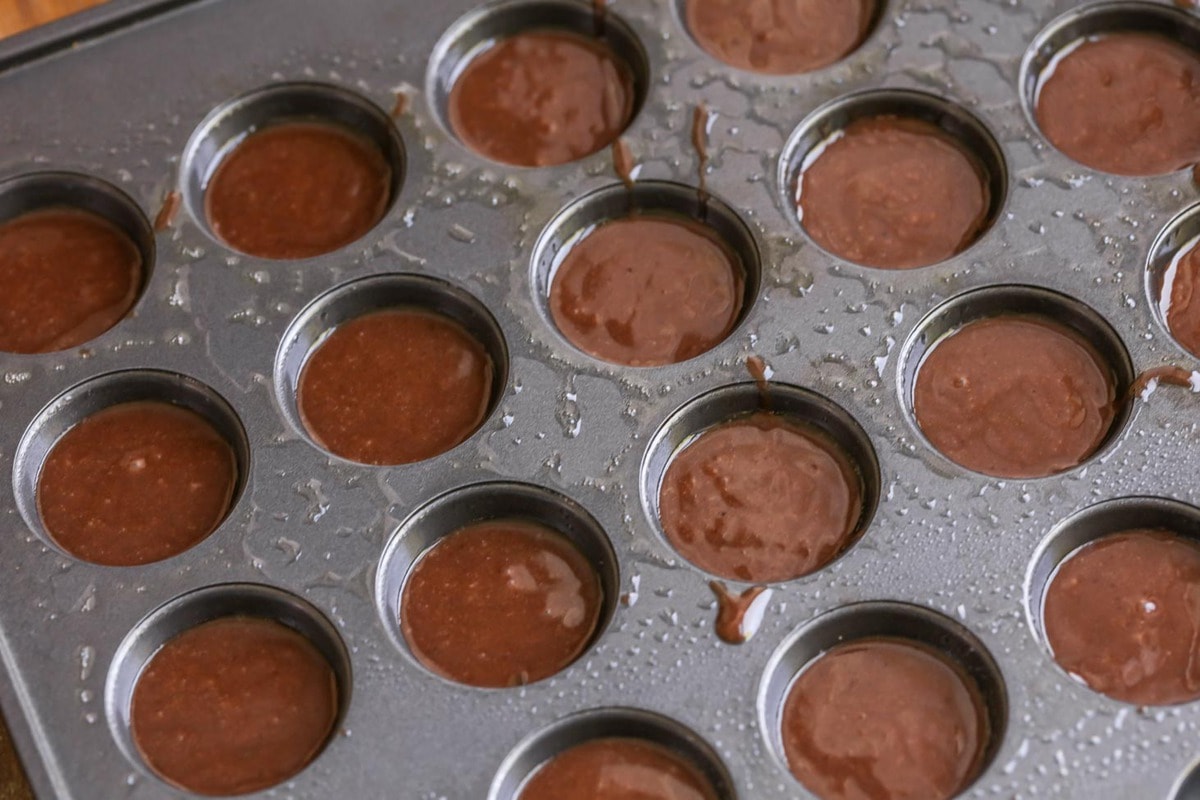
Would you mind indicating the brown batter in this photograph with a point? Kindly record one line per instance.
(1127, 103)
(1123, 614)
(700, 122)
(298, 190)
(168, 211)
(758, 371)
(732, 609)
(760, 499)
(68, 276)
(895, 193)
(648, 290)
(1181, 298)
(623, 163)
(136, 483)
(394, 387)
(779, 37)
(542, 98)
(885, 720)
(233, 706)
(501, 603)
(617, 769)
(1015, 397)
(1161, 376)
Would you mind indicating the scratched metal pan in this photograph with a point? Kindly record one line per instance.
(950, 558)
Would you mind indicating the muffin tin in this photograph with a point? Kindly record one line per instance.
(152, 93)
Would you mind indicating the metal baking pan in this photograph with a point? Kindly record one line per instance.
(127, 95)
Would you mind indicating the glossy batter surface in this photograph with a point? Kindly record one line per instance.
(500, 604)
(542, 98)
(617, 769)
(136, 483)
(1123, 614)
(233, 706)
(883, 719)
(298, 190)
(1015, 397)
(394, 387)
(648, 290)
(894, 193)
(760, 499)
(779, 37)
(1181, 296)
(67, 277)
(1127, 103)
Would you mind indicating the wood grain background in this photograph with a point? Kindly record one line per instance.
(19, 15)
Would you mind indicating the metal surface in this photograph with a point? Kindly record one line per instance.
(123, 109)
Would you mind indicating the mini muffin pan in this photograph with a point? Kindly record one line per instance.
(117, 109)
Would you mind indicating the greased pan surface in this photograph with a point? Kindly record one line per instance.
(312, 538)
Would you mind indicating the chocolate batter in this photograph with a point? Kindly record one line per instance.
(167, 213)
(648, 290)
(1123, 614)
(758, 371)
(136, 483)
(623, 163)
(1127, 103)
(617, 769)
(779, 38)
(760, 499)
(894, 193)
(1163, 376)
(700, 121)
(394, 387)
(501, 603)
(233, 706)
(732, 609)
(297, 190)
(68, 276)
(1015, 397)
(1181, 299)
(542, 98)
(884, 719)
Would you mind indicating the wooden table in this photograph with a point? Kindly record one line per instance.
(20, 15)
